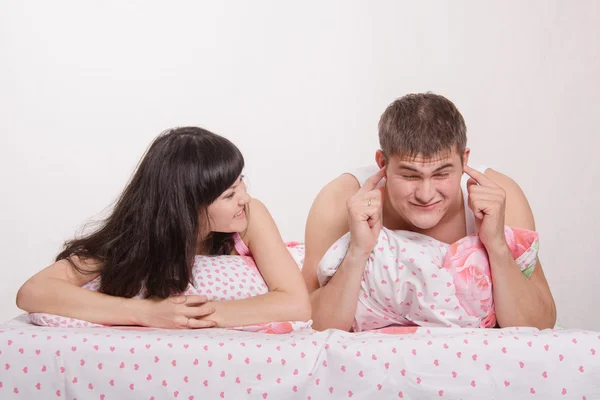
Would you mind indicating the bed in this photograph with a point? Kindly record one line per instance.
(409, 363)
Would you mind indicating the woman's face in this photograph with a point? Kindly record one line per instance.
(227, 213)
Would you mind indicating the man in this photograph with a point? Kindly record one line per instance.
(418, 185)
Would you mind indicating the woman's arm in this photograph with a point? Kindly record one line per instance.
(287, 299)
(57, 290)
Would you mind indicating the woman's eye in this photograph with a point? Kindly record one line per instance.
(230, 196)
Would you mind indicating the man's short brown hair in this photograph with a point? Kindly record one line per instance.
(422, 124)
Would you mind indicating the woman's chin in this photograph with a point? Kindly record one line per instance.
(238, 226)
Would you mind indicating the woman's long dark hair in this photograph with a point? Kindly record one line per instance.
(150, 238)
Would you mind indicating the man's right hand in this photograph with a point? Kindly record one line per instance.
(176, 312)
(365, 215)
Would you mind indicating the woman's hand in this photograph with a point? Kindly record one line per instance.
(176, 312)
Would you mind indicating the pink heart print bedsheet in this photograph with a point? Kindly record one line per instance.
(218, 278)
(413, 279)
(415, 363)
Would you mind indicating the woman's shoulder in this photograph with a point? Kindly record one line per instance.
(258, 217)
(257, 212)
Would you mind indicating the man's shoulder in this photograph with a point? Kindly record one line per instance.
(333, 196)
(502, 180)
(345, 182)
(340, 188)
(518, 210)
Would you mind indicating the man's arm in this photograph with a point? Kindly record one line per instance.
(518, 301)
(333, 305)
(340, 207)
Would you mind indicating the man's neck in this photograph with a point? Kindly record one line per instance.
(450, 229)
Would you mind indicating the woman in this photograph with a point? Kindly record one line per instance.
(186, 198)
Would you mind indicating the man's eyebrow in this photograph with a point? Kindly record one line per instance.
(406, 166)
(447, 165)
(411, 168)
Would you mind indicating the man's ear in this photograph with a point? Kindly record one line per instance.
(466, 155)
(380, 159)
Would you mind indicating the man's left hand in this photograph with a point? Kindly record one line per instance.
(487, 200)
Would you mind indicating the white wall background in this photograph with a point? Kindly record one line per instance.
(85, 86)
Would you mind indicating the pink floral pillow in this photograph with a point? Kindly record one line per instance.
(467, 261)
(413, 279)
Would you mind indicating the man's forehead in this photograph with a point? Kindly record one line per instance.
(419, 160)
